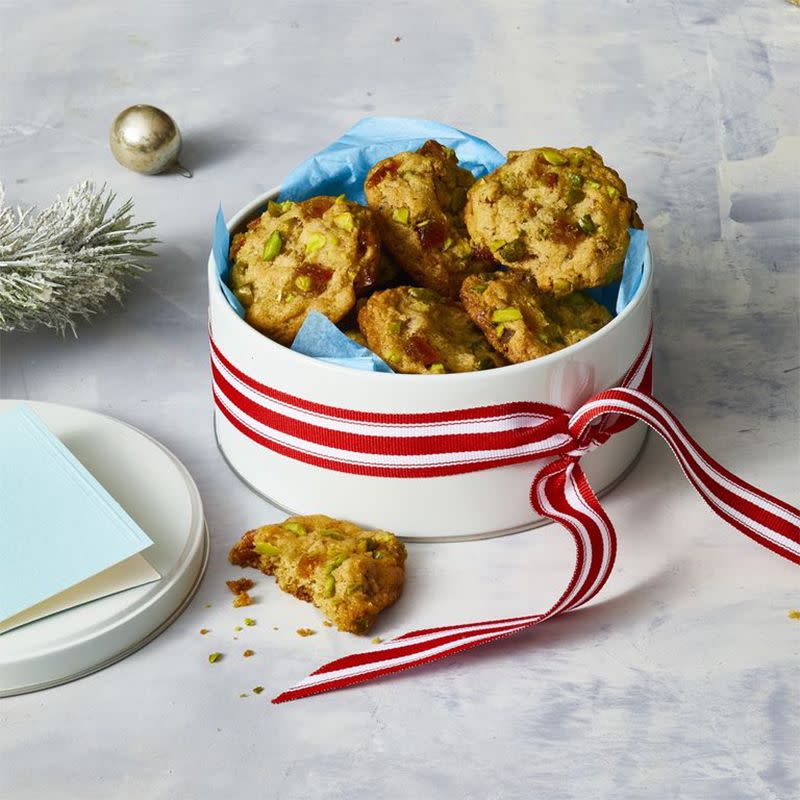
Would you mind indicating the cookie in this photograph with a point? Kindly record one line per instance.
(350, 574)
(416, 330)
(561, 215)
(522, 322)
(418, 200)
(318, 254)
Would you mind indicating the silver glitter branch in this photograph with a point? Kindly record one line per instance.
(63, 263)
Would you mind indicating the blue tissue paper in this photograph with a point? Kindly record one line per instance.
(341, 169)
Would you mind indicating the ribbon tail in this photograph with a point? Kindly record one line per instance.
(764, 518)
(561, 492)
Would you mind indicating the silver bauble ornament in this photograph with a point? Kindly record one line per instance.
(147, 140)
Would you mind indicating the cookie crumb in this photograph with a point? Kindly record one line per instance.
(327, 624)
(305, 631)
(242, 599)
(204, 631)
(212, 657)
(207, 605)
(397, 38)
(237, 628)
(794, 614)
(249, 622)
(240, 585)
(243, 694)
(275, 629)
(258, 689)
(377, 640)
(248, 653)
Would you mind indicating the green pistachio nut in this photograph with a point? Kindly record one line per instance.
(574, 196)
(587, 224)
(448, 243)
(316, 241)
(575, 179)
(273, 246)
(562, 286)
(479, 288)
(266, 549)
(401, 215)
(303, 282)
(395, 326)
(554, 157)
(294, 527)
(506, 315)
(329, 587)
(437, 369)
(344, 221)
(612, 191)
(513, 251)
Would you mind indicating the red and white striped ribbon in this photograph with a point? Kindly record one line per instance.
(448, 443)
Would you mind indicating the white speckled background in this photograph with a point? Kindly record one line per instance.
(681, 680)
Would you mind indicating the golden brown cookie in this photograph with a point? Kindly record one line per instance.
(317, 254)
(417, 330)
(522, 322)
(562, 215)
(350, 574)
(418, 199)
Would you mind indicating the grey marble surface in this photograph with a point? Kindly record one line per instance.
(680, 681)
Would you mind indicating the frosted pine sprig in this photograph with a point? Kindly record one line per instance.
(63, 263)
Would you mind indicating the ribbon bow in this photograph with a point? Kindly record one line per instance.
(448, 443)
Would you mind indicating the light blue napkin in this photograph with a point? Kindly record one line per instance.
(320, 338)
(58, 525)
(341, 169)
(342, 166)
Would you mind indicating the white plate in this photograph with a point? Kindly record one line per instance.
(157, 491)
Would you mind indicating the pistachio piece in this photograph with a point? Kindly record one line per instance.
(612, 191)
(437, 369)
(244, 295)
(303, 282)
(513, 251)
(278, 209)
(479, 288)
(562, 286)
(543, 337)
(212, 657)
(575, 196)
(344, 221)
(506, 315)
(393, 356)
(499, 330)
(401, 215)
(316, 241)
(593, 184)
(273, 246)
(294, 527)
(249, 621)
(462, 248)
(335, 562)
(448, 242)
(329, 588)
(575, 179)
(331, 534)
(496, 245)
(266, 549)
(586, 224)
(395, 326)
(554, 157)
